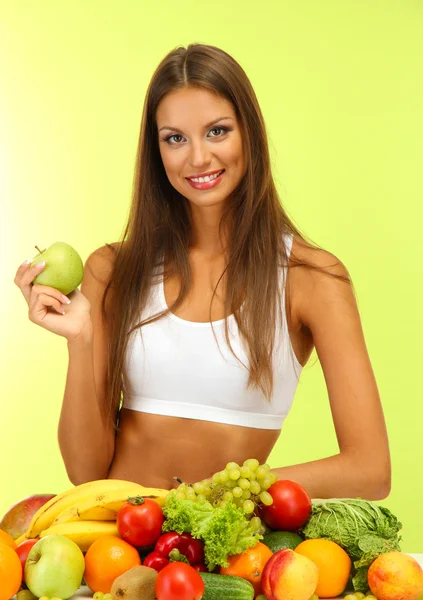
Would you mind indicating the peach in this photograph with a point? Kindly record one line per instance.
(289, 576)
(395, 576)
(17, 519)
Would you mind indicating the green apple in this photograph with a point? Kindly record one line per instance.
(54, 567)
(64, 269)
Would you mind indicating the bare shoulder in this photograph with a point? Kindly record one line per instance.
(316, 278)
(100, 262)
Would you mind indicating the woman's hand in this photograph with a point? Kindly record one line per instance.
(49, 308)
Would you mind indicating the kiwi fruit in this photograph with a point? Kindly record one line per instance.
(139, 583)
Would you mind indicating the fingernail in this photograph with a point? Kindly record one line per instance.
(41, 264)
(27, 262)
(65, 300)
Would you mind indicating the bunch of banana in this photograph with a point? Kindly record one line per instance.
(88, 511)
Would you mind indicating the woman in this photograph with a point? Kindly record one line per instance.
(202, 317)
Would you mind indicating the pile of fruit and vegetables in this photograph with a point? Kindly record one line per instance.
(239, 536)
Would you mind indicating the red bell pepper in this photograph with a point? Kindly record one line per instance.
(176, 547)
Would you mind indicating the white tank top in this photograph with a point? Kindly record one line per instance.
(177, 369)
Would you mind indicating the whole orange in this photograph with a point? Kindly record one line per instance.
(332, 562)
(10, 572)
(107, 558)
(249, 565)
(6, 538)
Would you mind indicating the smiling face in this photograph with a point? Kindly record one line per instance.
(200, 145)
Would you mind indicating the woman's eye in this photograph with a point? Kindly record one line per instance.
(175, 135)
(223, 129)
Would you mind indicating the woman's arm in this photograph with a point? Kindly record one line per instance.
(328, 308)
(86, 441)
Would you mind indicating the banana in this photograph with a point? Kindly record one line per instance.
(105, 507)
(83, 533)
(47, 513)
(20, 539)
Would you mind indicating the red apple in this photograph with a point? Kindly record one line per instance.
(17, 519)
(23, 550)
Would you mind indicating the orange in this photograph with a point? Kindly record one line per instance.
(10, 572)
(6, 538)
(249, 565)
(107, 558)
(333, 563)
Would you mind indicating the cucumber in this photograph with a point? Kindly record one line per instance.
(226, 587)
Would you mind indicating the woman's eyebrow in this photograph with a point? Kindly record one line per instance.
(206, 126)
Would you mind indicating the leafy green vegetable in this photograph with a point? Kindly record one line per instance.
(224, 531)
(364, 529)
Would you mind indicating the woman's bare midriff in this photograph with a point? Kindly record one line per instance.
(153, 449)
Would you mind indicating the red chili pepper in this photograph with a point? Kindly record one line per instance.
(173, 546)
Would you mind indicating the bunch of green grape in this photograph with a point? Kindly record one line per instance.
(102, 596)
(360, 596)
(245, 485)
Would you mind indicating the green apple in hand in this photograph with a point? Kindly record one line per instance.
(64, 269)
(54, 567)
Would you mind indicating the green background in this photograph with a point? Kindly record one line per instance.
(340, 85)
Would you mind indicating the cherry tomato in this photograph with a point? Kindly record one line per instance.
(23, 550)
(140, 521)
(291, 506)
(179, 581)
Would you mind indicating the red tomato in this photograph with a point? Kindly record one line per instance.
(140, 521)
(23, 550)
(291, 506)
(179, 581)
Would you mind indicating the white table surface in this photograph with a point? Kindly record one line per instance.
(85, 592)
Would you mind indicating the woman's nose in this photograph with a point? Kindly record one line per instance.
(199, 155)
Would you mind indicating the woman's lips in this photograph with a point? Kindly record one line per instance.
(206, 185)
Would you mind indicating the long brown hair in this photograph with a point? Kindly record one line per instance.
(159, 225)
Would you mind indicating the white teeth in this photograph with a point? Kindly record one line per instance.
(205, 179)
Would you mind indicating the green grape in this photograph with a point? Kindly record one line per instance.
(231, 483)
(180, 496)
(216, 502)
(266, 466)
(246, 494)
(266, 498)
(274, 477)
(237, 492)
(266, 483)
(190, 494)
(228, 496)
(255, 487)
(45, 598)
(98, 596)
(248, 506)
(198, 487)
(201, 498)
(371, 597)
(234, 474)
(244, 484)
(216, 477)
(261, 473)
(314, 597)
(107, 597)
(245, 472)
(253, 476)
(251, 463)
(224, 476)
(232, 465)
(359, 595)
(255, 523)
(223, 503)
